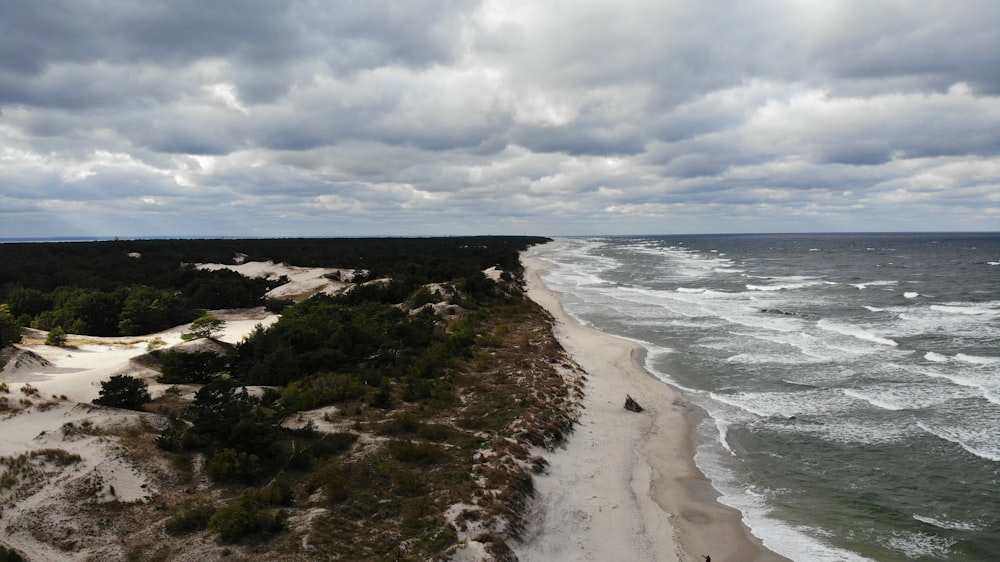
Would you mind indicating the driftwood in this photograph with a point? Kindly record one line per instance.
(631, 405)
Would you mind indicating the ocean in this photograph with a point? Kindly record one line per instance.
(847, 386)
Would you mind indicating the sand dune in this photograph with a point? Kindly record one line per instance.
(46, 418)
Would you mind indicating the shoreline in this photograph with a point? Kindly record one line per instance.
(625, 485)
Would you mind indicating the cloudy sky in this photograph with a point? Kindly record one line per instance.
(552, 117)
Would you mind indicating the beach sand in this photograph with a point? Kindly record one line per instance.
(625, 486)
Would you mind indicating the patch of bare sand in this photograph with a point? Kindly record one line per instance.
(303, 281)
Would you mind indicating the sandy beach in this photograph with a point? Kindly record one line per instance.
(625, 486)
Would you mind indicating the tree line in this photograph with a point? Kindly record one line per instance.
(121, 288)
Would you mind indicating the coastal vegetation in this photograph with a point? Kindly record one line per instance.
(399, 419)
(123, 288)
(123, 391)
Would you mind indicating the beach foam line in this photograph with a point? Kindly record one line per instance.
(949, 525)
(626, 486)
(990, 455)
(855, 332)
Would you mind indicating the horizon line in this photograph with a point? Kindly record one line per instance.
(43, 239)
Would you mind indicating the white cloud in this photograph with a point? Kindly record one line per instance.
(226, 93)
(453, 116)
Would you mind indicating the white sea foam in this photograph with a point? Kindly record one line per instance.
(798, 383)
(854, 332)
(786, 405)
(962, 380)
(877, 401)
(950, 525)
(723, 427)
(908, 396)
(919, 545)
(847, 432)
(773, 359)
(786, 286)
(935, 357)
(963, 309)
(693, 290)
(741, 404)
(738, 313)
(793, 542)
(986, 448)
(877, 283)
(806, 348)
(975, 360)
(874, 309)
(655, 352)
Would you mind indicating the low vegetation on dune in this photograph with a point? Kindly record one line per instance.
(398, 420)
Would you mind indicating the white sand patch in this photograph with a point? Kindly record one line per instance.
(472, 551)
(43, 502)
(493, 273)
(235, 331)
(76, 373)
(320, 419)
(66, 426)
(303, 281)
(185, 391)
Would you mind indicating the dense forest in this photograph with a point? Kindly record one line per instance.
(404, 410)
(142, 286)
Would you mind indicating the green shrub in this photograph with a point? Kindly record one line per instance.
(329, 445)
(334, 477)
(419, 453)
(56, 337)
(231, 466)
(277, 493)
(206, 326)
(401, 423)
(198, 367)
(423, 296)
(434, 432)
(405, 482)
(191, 516)
(321, 390)
(10, 329)
(243, 518)
(123, 391)
(382, 398)
(176, 439)
(277, 306)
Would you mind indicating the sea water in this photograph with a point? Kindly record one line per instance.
(847, 386)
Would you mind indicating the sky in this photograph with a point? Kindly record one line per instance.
(462, 117)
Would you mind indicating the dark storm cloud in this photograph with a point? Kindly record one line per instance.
(438, 116)
(36, 35)
(939, 43)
